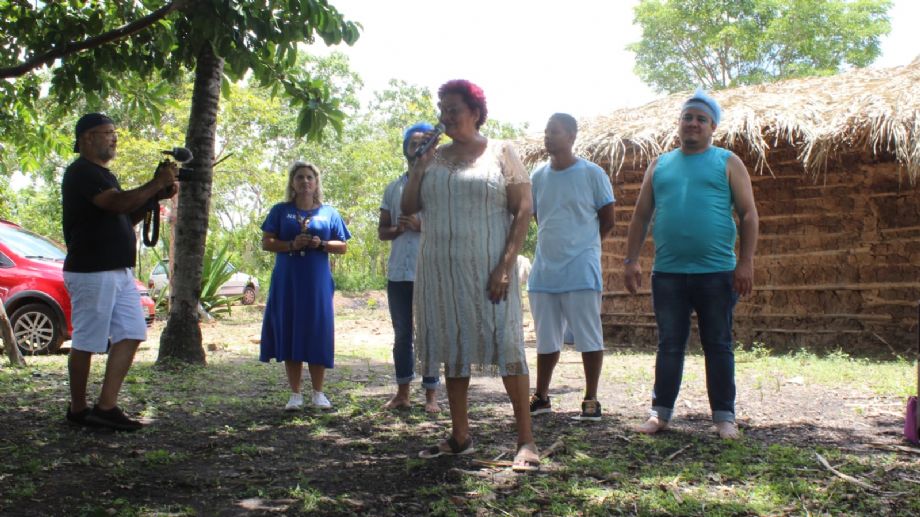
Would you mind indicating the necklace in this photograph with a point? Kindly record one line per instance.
(304, 222)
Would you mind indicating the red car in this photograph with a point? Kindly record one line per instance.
(33, 292)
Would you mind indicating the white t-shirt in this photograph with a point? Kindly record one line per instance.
(566, 202)
(404, 248)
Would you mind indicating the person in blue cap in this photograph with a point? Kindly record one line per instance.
(690, 194)
(98, 223)
(403, 232)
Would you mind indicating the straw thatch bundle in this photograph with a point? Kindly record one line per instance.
(874, 110)
(838, 260)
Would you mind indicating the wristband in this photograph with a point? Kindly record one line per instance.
(627, 261)
(322, 246)
(290, 245)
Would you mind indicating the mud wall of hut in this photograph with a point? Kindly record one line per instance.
(838, 260)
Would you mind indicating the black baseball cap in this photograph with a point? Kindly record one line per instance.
(87, 122)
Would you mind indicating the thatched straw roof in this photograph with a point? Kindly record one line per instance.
(874, 110)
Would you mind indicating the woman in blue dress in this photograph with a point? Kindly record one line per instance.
(298, 323)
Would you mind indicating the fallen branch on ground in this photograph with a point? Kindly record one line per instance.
(675, 454)
(845, 477)
(557, 446)
(895, 448)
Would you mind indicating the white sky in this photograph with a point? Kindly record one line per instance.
(531, 57)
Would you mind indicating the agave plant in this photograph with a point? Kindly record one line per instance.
(216, 270)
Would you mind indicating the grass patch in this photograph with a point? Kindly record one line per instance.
(219, 438)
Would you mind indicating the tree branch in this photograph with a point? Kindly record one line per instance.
(96, 41)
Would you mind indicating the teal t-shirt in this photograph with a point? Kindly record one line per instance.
(694, 230)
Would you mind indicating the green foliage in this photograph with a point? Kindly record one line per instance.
(718, 44)
(215, 272)
(257, 146)
(257, 40)
(357, 281)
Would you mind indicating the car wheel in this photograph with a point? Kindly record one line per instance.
(249, 295)
(36, 329)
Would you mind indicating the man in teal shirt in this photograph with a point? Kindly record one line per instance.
(691, 193)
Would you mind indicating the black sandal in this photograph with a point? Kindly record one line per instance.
(456, 449)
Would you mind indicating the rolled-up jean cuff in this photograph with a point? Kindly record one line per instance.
(405, 380)
(663, 414)
(723, 416)
(429, 384)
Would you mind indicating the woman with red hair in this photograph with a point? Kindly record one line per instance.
(477, 202)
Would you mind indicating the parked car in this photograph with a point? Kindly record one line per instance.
(240, 284)
(33, 292)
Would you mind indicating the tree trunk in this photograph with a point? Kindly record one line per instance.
(9, 342)
(181, 339)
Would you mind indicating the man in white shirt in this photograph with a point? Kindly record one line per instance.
(573, 204)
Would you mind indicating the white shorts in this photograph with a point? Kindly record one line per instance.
(105, 305)
(579, 311)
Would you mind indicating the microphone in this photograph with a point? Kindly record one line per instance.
(422, 149)
(181, 154)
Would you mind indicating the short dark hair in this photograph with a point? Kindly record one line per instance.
(567, 121)
(473, 96)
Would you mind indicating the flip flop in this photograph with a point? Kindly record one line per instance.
(523, 463)
(456, 449)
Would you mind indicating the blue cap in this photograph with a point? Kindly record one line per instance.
(421, 127)
(87, 122)
(701, 101)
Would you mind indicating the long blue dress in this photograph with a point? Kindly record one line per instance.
(299, 321)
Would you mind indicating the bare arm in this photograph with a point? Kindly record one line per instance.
(638, 230)
(335, 247)
(743, 198)
(132, 202)
(520, 204)
(411, 202)
(607, 218)
(271, 242)
(386, 231)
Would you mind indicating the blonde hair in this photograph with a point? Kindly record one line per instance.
(318, 195)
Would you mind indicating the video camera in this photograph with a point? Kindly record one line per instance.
(151, 230)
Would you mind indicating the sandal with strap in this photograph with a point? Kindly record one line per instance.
(527, 459)
(454, 449)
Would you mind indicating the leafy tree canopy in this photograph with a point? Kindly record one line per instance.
(722, 43)
(90, 51)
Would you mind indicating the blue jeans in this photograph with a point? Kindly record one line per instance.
(712, 296)
(399, 298)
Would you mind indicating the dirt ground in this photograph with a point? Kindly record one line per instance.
(807, 414)
(226, 448)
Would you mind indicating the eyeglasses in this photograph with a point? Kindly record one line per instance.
(111, 132)
(452, 110)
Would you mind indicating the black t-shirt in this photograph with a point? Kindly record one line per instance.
(97, 240)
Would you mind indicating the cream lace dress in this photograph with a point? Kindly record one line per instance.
(465, 209)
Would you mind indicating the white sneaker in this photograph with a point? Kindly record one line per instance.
(320, 400)
(294, 403)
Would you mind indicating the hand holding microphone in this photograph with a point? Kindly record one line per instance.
(430, 142)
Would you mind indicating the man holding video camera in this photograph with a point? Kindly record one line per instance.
(98, 223)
